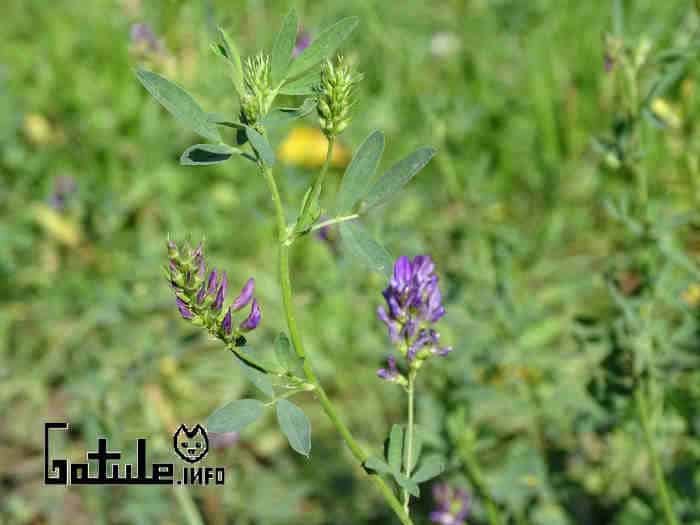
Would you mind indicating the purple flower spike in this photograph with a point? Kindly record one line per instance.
(253, 320)
(451, 505)
(221, 294)
(184, 309)
(413, 303)
(226, 323)
(245, 296)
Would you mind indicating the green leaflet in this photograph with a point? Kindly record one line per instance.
(360, 172)
(361, 245)
(283, 47)
(179, 103)
(295, 426)
(235, 416)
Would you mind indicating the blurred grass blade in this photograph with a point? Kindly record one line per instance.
(323, 45)
(179, 103)
(303, 85)
(235, 416)
(205, 154)
(283, 47)
(397, 177)
(395, 451)
(360, 245)
(360, 172)
(261, 146)
(295, 426)
(230, 51)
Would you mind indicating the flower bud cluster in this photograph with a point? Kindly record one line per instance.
(335, 96)
(259, 93)
(200, 297)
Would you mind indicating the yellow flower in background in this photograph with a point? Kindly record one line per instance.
(666, 113)
(691, 296)
(306, 147)
(37, 129)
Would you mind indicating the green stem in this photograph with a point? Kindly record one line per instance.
(408, 452)
(326, 404)
(659, 479)
(317, 185)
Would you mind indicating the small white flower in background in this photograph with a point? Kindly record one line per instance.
(444, 44)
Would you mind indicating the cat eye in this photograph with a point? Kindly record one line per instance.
(184, 444)
(199, 445)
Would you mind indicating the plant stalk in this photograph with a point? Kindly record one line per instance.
(287, 301)
(408, 450)
(659, 479)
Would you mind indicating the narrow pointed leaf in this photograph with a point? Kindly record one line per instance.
(205, 154)
(323, 45)
(295, 426)
(284, 45)
(230, 52)
(395, 452)
(360, 172)
(179, 103)
(303, 85)
(389, 184)
(359, 244)
(280, 116)
(431, 467)
(235, 416)
(261, 146)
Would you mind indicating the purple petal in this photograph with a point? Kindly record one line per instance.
(221, 294)
(253, 320)
(226, 323)
(212, 282)
(245, 296)
(185, 312)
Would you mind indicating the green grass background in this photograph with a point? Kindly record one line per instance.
(512, 209)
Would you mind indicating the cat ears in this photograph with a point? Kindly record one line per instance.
(192, 432)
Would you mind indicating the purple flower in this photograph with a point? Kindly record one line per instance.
(221, 440)
(451, 505)
(413, 303)
(200, 297)
(63, 187)
(142, 35)
(226, 325)
(184, 309)
(220, 294)
(245, 296)
(391, 373)
(253, 320)
(303, 41)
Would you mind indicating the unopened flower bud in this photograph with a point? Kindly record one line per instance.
(335, 96)
(259, 93)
